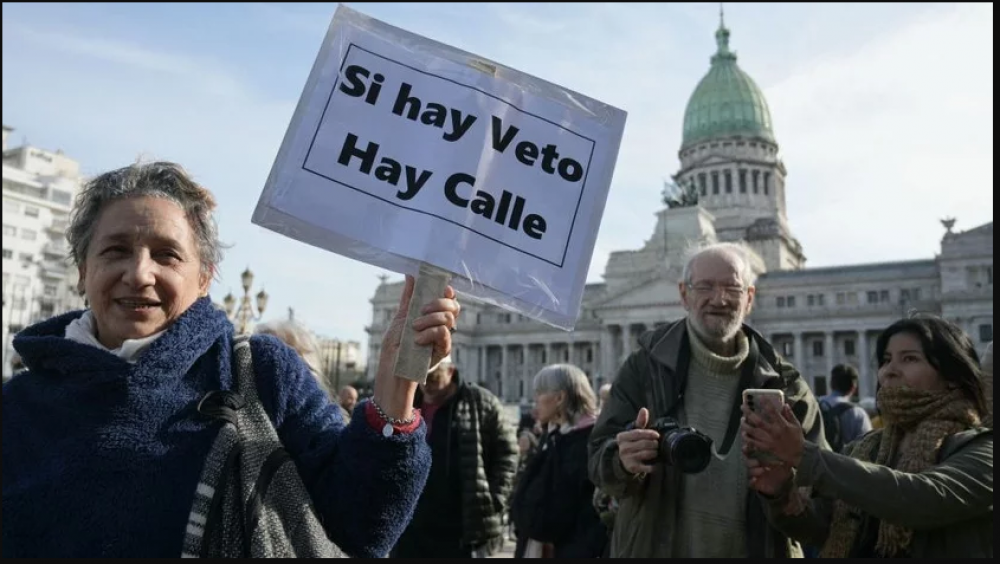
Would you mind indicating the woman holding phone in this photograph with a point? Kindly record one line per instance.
(921, 487)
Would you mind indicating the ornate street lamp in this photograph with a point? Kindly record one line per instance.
(243, 316)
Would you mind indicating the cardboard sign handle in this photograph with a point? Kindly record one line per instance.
(412, 361)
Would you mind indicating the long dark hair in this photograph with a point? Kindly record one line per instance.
(947, 348)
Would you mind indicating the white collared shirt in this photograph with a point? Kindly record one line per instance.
(84, 331)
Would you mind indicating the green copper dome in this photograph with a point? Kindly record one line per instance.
(727, 102)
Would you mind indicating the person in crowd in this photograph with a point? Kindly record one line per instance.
(870, 405)
(605, 505)
(552, 508)
(103, 444)
(988, 384)
(474, 450)
(16, 366)
(348, 400)
(843, 421)
(527, 420)
(603, 396)
(296, 336)
(692, 373)
(922, 487)
(527, 444)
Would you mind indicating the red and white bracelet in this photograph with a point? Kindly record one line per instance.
(391, 425)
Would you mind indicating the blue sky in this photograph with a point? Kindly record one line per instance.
(884, 111)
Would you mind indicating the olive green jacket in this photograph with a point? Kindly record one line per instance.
(949, 507)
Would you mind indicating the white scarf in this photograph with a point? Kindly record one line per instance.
(84, 331)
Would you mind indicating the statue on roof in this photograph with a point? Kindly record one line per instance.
(949, 224)
(675, 196)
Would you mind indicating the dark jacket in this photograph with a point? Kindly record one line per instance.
(553, 503)
(949, 507)
(655, 377)
(101, 458)
(487, 457)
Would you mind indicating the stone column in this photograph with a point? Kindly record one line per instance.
(830, 348)
(799, 351)
(607, 362)
(504, 384)
(548, 354)
(623, 338)
(526, 368)
(483, 379)
(595, 362)
(868, 380)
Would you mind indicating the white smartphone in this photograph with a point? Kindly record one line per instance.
(759, 401)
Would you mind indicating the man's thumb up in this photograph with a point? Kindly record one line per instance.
(643, 419)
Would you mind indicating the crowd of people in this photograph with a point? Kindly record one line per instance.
(106, 436)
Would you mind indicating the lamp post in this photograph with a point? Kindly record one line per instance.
(331, 351)
(244, 315)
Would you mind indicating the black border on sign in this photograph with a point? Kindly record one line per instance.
(583, 188)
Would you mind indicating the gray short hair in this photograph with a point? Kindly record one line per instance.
(301, 341)
(739, 250)
(157, 179)
(580, 398)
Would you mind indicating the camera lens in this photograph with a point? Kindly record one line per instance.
(692, 453)
(689, 452)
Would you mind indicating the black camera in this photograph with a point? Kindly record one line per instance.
(682, 447)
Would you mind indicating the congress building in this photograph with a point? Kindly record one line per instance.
(816, 317)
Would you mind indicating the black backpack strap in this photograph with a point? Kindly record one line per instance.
(221, 405)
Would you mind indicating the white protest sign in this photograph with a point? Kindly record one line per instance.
(405, 151)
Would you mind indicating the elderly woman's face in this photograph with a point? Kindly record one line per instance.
(549, 406)
(142, 270)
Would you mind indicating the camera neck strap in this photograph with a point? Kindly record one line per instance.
(747, 375)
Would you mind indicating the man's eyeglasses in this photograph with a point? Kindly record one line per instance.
(711, 290)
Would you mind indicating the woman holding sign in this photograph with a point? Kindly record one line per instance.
(105, 439)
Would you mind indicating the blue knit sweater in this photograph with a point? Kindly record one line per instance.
(101, 458)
